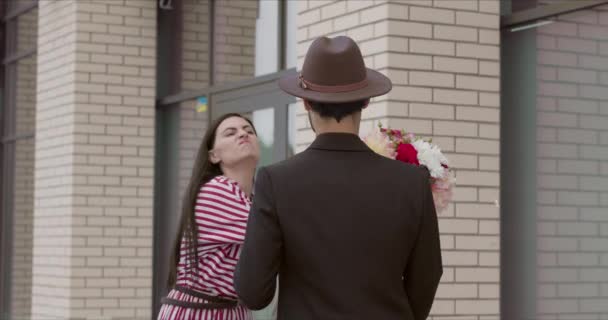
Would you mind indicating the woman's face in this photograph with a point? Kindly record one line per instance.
(235, 142)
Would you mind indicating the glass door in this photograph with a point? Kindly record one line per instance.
(184, 125)
(227, 57)
(263, 121)
(268, 108)
(554, 161)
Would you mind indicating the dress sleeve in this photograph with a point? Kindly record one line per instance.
(221, 213)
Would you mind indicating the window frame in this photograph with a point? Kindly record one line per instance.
(10, 57)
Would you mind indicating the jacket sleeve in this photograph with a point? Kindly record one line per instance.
(424, 268)
(258, 265)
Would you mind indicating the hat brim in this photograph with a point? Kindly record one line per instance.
(377, 85)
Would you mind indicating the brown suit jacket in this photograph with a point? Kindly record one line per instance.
(351, 234)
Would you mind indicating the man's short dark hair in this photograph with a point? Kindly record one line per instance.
(337, 110)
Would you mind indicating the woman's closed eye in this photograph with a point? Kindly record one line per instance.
(232, 131)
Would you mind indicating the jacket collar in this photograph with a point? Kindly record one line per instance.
(339, 142)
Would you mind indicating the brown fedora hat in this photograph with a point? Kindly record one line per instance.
(334, 72)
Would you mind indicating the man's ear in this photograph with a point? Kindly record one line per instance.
(213, 157)
(307, 105)
(366, 104)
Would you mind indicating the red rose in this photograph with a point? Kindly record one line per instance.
(407, 153)
(397, 133)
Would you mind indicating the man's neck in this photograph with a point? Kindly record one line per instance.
(337, 130)
(346, 125)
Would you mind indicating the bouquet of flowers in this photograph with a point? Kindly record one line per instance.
(406, 147)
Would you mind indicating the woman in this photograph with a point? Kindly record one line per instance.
(214, 217)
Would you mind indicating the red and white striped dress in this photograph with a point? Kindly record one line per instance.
(221, 213)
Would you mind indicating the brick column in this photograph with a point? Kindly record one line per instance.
(94, 159)
(443, 59)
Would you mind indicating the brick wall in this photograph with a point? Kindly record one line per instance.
(572, 144)
(53, 161)
(443, 59)
(94, 159)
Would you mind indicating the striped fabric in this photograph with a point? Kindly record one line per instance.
(221, 213)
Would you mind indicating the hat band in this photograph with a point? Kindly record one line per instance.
(332, 89)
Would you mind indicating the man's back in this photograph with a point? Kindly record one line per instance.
(351, 224)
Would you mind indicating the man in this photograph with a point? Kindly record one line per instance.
(351, 234)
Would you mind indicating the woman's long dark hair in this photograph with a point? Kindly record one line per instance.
(202, 172)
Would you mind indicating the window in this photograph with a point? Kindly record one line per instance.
(554, 162)
(217, 57)
(17, 122)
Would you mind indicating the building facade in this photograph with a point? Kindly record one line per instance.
(104, 104)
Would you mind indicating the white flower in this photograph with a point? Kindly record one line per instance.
(431, 157)
(442, 157)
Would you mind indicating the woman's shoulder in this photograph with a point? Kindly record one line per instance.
(221, 182)
(222, 188)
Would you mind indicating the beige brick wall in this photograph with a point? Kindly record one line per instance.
(572, 144)
(443, 59)
(53, 161)
(94, 159)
